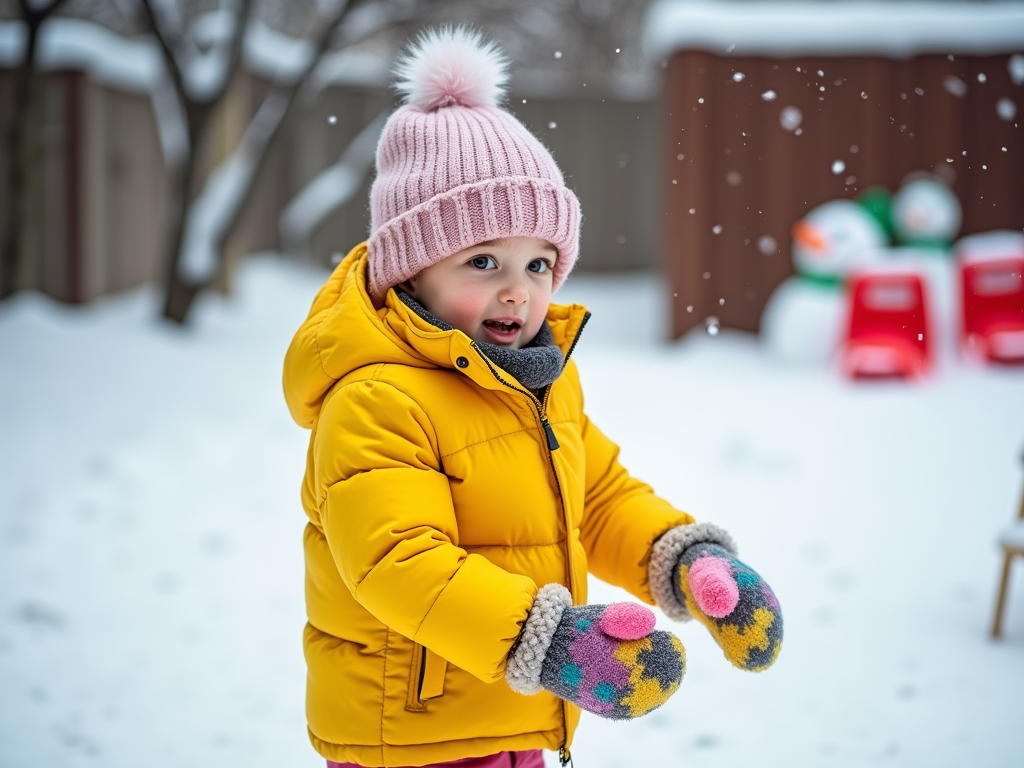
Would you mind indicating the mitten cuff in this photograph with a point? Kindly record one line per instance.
(665, 554)
(527, 657)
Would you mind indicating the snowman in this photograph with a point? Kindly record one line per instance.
(926, 217)
(926, 214)
(803, 319)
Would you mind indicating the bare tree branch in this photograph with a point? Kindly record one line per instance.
(36, 16)
(167, 39)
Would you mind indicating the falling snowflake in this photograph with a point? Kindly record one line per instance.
(790, 118)
(1015, 66)
(1006, 109)
(955, 86)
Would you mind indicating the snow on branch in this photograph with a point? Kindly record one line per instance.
(212, 213)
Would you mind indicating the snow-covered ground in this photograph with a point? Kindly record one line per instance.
(151, 599)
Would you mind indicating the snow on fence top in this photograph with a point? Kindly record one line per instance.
(894, 28)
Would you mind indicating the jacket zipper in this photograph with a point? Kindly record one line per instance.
(541, 407)
(564, 758)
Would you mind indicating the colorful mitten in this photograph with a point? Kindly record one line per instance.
(694, 573)
(607, 659)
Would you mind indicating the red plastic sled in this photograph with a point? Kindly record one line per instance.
(887, 334)
(992, 304)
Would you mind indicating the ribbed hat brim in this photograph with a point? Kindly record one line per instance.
(459, 218)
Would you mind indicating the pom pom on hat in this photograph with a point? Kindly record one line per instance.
(452, 66)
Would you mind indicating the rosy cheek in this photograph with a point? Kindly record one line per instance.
(539, 310)
(467, 309)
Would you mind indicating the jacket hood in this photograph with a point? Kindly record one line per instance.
(345, 331)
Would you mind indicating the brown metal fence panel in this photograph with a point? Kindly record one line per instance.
(734, 180)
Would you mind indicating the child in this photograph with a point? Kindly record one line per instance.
(457, 493)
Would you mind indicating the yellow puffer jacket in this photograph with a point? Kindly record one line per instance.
(437, 507)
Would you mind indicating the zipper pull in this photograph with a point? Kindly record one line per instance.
(552, 440)
(564, 758)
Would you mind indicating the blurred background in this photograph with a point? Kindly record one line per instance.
(803, 249)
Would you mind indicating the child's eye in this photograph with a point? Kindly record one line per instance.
(484, 262)
(539, 266)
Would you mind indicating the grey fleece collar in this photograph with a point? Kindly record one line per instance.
(534, 366)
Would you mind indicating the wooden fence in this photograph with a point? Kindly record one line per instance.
(101, 192)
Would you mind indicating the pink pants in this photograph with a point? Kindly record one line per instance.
(531, 758)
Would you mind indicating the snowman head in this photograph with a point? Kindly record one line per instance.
(925, 211)
(835, 238)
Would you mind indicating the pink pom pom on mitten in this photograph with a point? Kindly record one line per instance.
(627, 621)
(713, 586)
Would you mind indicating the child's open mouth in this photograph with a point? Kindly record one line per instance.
(502, 331)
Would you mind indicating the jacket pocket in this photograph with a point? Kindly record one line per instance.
(426, 678)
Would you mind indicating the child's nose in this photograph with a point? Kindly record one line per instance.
(514, 292)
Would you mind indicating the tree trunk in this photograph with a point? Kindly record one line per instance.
(179, 294)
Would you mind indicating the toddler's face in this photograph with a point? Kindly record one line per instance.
(496, 291)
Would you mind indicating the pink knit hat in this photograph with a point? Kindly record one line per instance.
(454, 169)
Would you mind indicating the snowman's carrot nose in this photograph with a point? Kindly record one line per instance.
(808, 236)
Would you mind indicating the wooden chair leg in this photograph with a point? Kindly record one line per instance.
(997, 622)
